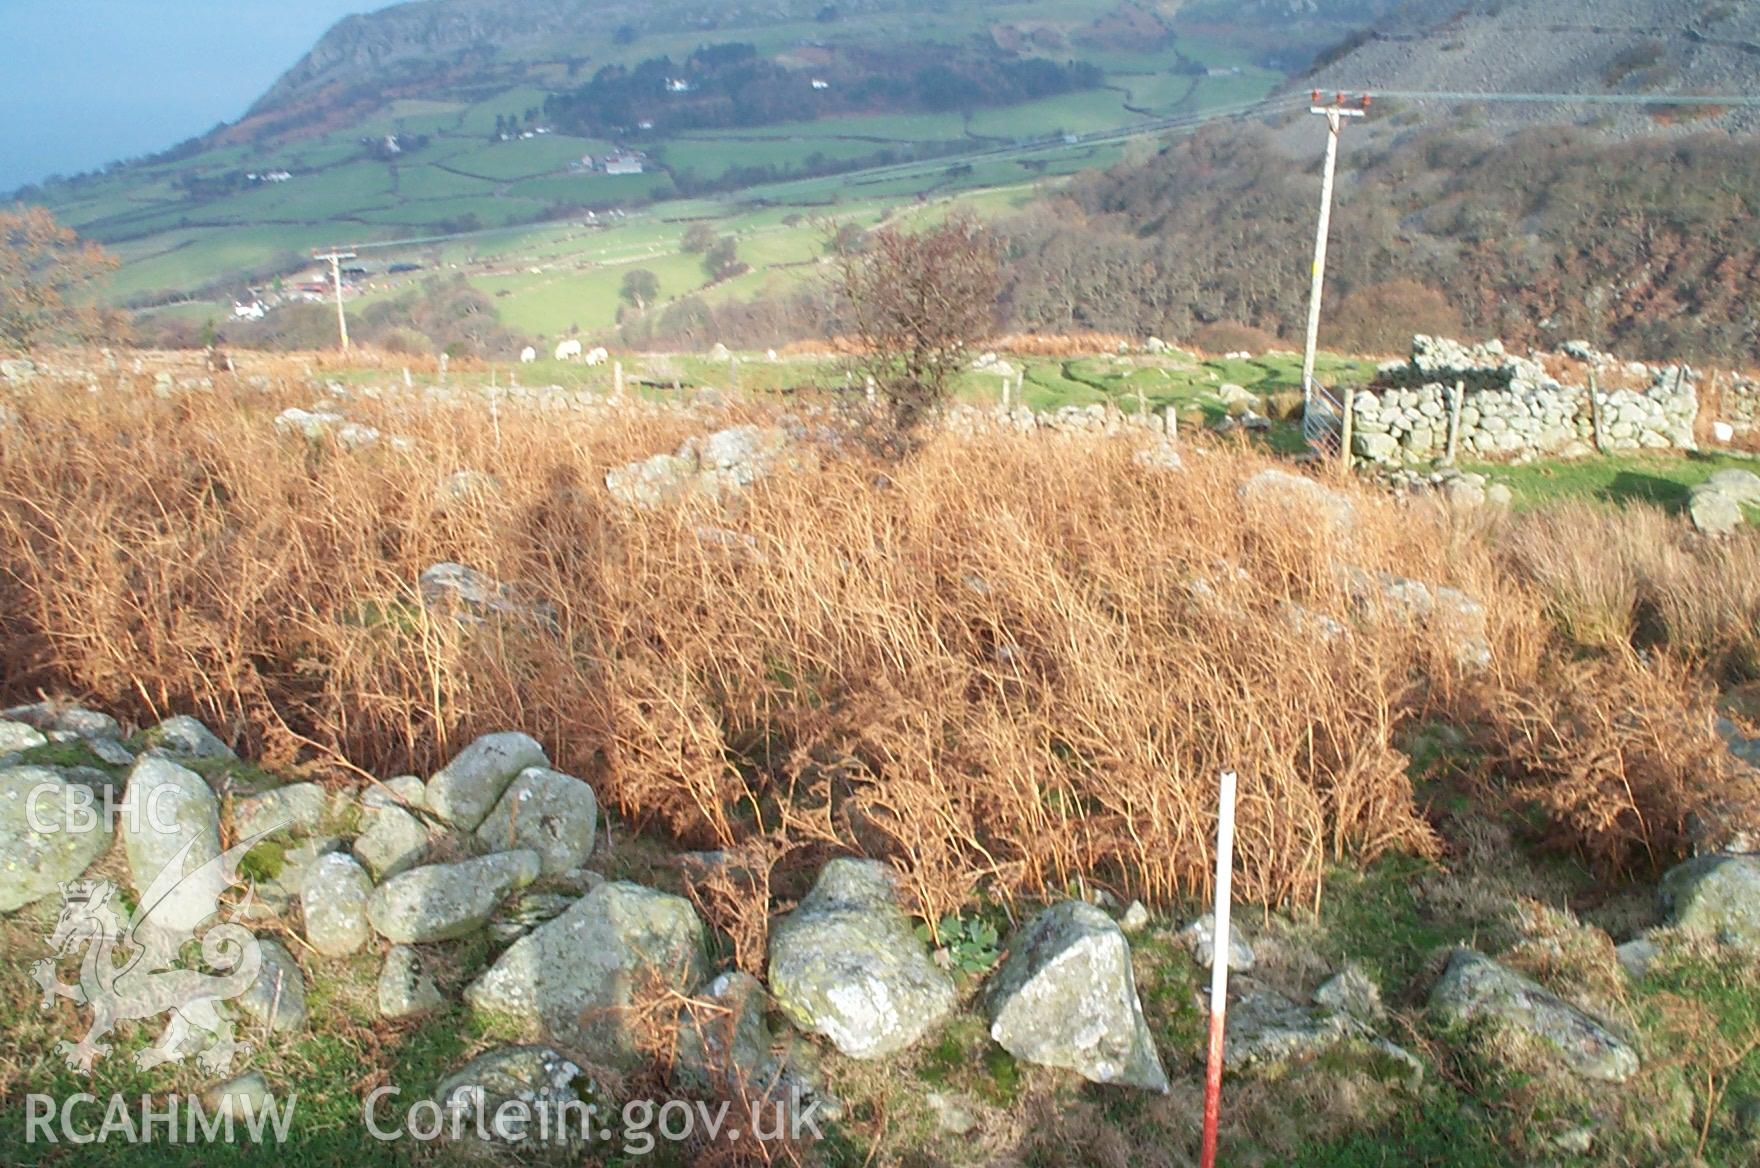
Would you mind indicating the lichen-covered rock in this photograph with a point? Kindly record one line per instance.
(547, 812)
(1714, 512)
(405, 989)
(572, 979)
(1066, 997)
(1741, 485)
(1716, 896)
(1266, 1030)
(471, 596)
(1352, 992)
(166, 808)
(442, 902)
(392, 839)
(296, 809)
(185, 736)
(33, 863)
(1200, 938)
(1476, 989)
(17, 737)
(465, 790)
(474, 1104)
(1293, 497)
(277, 998)
(334, 904)
(846, 964)
(722, 1039)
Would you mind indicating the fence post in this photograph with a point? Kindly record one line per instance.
(1454, 422)
(1595, 412)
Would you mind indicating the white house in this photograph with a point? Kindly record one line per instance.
(678, 85)
(623, 164)
(821, 83)
(252, 311)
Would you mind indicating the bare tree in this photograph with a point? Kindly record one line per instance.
(915, 302)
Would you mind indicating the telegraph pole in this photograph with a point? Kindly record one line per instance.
(336, 256)
(1334, 115)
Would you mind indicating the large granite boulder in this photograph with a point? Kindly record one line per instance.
(1477, 990)
(442, 902)
(33, 863)
(1716, 896)
(465, 790)
(847, 965)
(334, 902)
(575, 978)
(1066, 997)
(547, 812)
(170, 815)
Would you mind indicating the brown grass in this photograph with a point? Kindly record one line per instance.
(1005, 664)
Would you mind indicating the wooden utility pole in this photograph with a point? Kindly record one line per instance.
(336, 256)
(1334, 115)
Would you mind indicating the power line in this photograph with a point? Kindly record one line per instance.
(1699, 99)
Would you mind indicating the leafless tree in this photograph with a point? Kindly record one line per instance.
(915, 302)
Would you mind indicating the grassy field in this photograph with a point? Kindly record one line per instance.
(173, 240)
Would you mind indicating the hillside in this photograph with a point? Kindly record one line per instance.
(1630, 48)
(452, 117)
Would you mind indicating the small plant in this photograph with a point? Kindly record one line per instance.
(968, 946)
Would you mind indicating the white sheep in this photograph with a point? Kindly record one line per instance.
(527, 355)
(568, 351)
(597, 356)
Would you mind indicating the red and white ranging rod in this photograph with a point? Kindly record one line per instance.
(1219, 954)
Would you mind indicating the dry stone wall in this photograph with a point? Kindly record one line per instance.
(1512, 407)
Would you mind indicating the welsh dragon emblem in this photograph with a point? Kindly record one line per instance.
(130, 970)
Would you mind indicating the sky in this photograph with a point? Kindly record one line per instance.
(87, 82)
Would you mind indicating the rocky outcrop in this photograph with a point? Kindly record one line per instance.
(847, 965)
(1477, 990)
(1717, 897)
(1066, 997)
(712, 466)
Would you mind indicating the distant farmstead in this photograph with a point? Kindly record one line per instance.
(625, 163)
